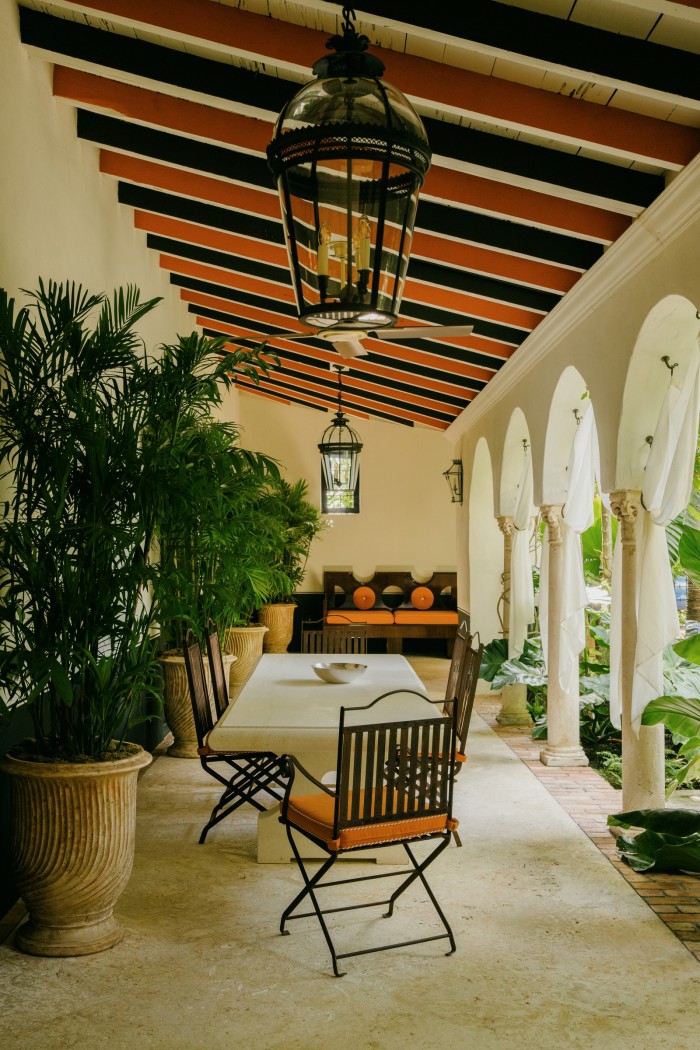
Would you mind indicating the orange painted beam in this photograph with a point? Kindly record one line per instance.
(474, 257)
(162, 110)
(221, 240)
(509, 201)
(302, 395)
(190, 184)
(516, 105)
(469, 306)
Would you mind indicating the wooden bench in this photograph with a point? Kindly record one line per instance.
(393, 605)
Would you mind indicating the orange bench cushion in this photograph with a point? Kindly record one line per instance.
(314, 814)
(360, 616)
(429, 616)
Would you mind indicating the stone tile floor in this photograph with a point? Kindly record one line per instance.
(588, 799)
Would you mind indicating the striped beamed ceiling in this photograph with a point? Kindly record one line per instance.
(553, 125)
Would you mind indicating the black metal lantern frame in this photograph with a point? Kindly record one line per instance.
(340, 448)
(454, 477)
(349, 156)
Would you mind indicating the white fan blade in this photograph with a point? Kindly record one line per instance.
(426, 332)
(349, 348)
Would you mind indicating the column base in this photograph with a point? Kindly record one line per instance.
(514, 710)
(563, 756)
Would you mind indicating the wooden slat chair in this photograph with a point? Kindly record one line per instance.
(383, 797)
(466, 692)
(219, 685)
(248, 772)
(317, 637)
(461, 643)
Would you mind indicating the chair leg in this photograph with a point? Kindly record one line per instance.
(311, 883)
(419, 872)
(308, 891)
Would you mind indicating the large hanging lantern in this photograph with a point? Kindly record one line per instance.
(349, 155)
(340, 448)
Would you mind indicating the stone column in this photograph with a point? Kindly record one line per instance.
(563, 747)
(643, 755)
(514, 710)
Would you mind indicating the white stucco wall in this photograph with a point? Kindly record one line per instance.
(59, 217)
(406, 518)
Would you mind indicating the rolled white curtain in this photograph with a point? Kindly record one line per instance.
(668, 481)
(522, 592)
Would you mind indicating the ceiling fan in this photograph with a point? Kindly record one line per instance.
(348, 339)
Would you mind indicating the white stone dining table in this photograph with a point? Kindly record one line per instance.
(285, 708)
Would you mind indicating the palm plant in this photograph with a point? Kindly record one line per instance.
(74, 625)
(215, 547)
(301, 522)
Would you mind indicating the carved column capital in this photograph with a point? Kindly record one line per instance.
(551, 513)
(626, 504)
(505, 524)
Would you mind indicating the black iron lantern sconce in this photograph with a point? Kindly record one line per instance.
(340, 448)
(454, 479)
(349, 156)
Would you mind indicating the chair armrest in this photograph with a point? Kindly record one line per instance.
(289, 765)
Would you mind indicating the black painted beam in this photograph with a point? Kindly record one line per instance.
(593, 52)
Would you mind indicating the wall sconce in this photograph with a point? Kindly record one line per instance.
(454, 480)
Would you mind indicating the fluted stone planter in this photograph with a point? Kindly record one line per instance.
(246, 643)
(279, 620)
(177, 705)
(72, 846)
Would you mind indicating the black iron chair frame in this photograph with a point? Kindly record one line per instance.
(249, 772)
(396, 763)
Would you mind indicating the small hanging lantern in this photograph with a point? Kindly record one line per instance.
(454, 480)
(349, 155)
(340, 448)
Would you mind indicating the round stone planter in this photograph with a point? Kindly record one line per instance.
(279, 620)
(72, 848)
(246, 643)
(177, 705)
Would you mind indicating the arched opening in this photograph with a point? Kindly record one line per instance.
(485, 549)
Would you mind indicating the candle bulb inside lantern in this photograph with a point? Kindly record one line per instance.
(362, 243)
(324, 239)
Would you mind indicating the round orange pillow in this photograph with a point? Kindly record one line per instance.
(422, 598)
(363, 598)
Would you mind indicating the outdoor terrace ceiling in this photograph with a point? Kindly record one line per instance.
(553, 125)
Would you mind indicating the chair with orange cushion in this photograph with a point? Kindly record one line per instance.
(462, 642)
(317, 637)
(467, 680)
(248, 772)
(383, 797)
(219, 685)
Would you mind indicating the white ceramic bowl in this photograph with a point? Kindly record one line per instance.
(339, 674)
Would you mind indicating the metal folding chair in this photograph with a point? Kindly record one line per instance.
(248, 773)
(317, 637)
(385, 795)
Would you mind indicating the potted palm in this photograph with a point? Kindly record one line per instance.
(199, 515)
(301, 523)
(76, 650)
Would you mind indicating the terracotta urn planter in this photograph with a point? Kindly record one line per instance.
(279, 619)
(177, 705)
(72, 847)
(246, 643)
